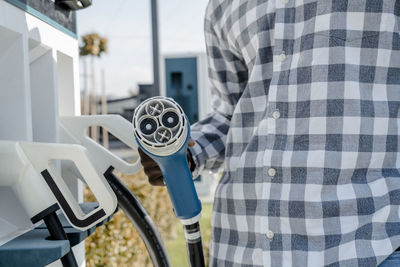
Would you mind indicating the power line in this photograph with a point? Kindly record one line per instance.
(116, 13)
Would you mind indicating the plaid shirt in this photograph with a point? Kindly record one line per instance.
(306, 128)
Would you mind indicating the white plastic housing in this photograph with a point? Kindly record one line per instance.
(23, 192)
(17, 172)
(164, 140)
(21, 167)
(42, 155)
(73, 131)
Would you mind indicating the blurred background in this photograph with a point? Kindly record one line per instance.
(116, 74)
(127, 27)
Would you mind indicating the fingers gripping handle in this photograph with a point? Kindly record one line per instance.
(179, 182)
(42, 156)
(180, 185)
(75, 126)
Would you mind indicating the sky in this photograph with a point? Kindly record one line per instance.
(126, 24)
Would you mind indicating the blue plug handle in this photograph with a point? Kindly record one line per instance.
(179, 182)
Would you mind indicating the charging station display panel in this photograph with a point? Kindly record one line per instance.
(50, 13)
(182, 85)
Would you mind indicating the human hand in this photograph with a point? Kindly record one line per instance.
(152, 170)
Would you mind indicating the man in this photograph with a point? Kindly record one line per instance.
(306, 128)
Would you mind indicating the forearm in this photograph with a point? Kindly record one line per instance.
(209, 136)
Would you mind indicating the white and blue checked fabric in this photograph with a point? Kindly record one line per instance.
(305, 125)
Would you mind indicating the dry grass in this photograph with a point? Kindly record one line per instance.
(177, 246)
(117, 243)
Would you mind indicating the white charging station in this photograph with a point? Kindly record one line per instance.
(39, 74)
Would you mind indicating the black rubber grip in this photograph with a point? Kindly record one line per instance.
(66, 207)
(195, 247)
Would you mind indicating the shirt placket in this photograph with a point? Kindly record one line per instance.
(275, 120)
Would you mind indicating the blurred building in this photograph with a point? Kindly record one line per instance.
(123, 106)
(184, 77)
(146, 90)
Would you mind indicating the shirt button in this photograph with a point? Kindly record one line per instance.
(270, 234)
(282, 57)
(276, 114)
(271, 172)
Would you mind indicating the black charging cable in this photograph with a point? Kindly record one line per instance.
(194, 244)
(57, 233)
(140, 219)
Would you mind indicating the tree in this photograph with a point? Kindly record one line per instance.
(93, 45)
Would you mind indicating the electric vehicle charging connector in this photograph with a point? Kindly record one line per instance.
(163, 132)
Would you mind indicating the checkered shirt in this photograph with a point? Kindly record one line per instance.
(305, 125)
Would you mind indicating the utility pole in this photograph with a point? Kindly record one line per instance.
(156, 56)
(94, 134)
(86, 95)
(104, 107)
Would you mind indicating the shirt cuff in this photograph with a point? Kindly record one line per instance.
(199, 166)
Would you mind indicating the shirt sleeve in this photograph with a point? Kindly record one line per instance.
(228, 77)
